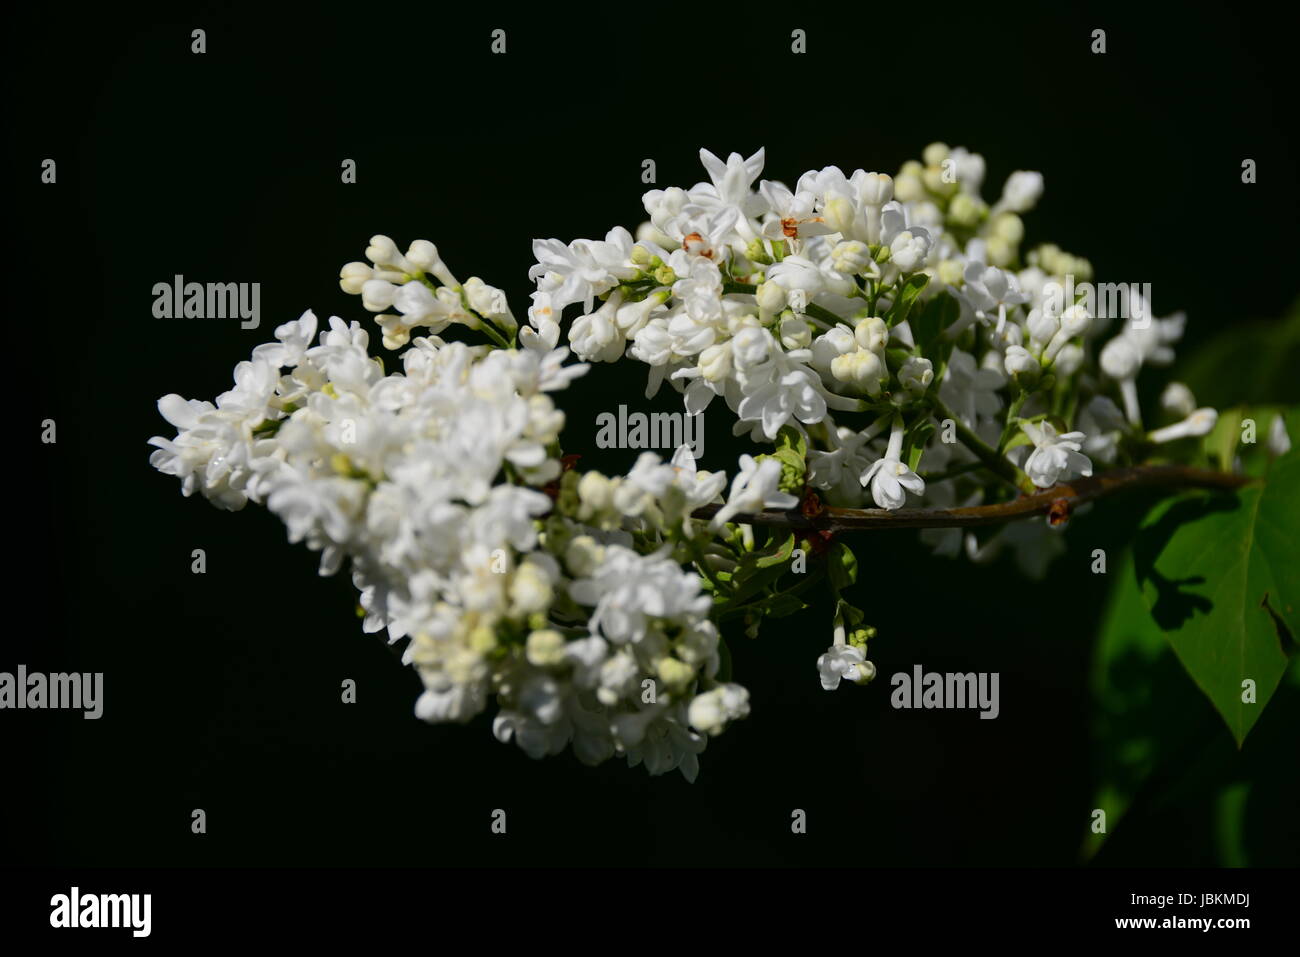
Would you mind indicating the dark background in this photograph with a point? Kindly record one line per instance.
(223, 690)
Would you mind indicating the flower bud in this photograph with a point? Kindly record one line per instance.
(1042, 326)
(1010, 227)
(1069, 359)
(715, 362)
(1000, 253)
(1177, 398)
(423, 255)
(530, 590)
(935, 153)
(872, 333)
(675, 674)
(1022, 191)
(583, 554)
(862, 368)
(908, 186)
(795, 333)
(1020, 363)
(756, 252)
(596, 492)
(353, 276)
(382, 251)
(966, 210)
(876, 189)
(377, 295)
(839, 214)
(851, 256)
(771, 297)
(545, 648)
(916, 374)
(1119, 359)
(950, 272)
(861, 672)
(1075, 321)
(936, 182)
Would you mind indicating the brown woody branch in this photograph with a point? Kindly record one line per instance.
(1057, 503)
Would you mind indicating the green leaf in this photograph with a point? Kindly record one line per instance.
(1224, 446)
(916, 441)
(937, 315)
(756, 570)
(1148, 719)
(780, 556)
(1221, 578)
(850, 615)
(784, 605)
(791, 438)
(842, 566)
(789, 457)
(903, 300)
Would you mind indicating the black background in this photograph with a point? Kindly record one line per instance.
(223, 690)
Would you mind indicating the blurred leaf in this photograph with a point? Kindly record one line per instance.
(1230, 814)
(1249, 362)
(1224, 447)
(1145, 709)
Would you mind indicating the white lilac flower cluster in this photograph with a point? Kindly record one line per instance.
(433, 481)
(886, 335)
(894, 321)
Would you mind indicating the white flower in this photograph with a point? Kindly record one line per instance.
(1055, 455)
(908, 245)
(889, 478)
(1121, 359)
(800, 278)
(1279, 442)
(596, 337)
(1021, 191)
(861, 368)
(851, 256)
(583, 269)
(1019, 361)
(1200, 422)
(989, 289)
(838, 470)
(793, 215)
(730, 184)
(916, 374)
(710, 712)
(872, 333)
(1177, 398)
(754, 488)
(844, 662)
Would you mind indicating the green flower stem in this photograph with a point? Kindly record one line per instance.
(741, 287)
(701, 562)
(729, 611)
(997, 464)
(1013, 413)
(492, 333)
(825, 315)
